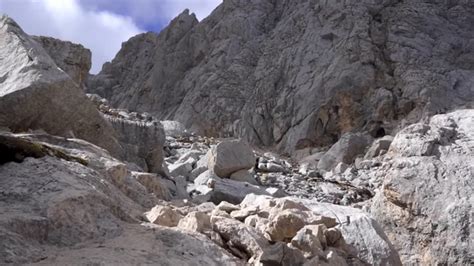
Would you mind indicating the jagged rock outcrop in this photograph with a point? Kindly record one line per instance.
(141, 136)
(142, 143)
(73, 58)
(35, 94)
(62, 201)
(299, 73)
(425, 204)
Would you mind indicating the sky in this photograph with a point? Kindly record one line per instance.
(100, 25)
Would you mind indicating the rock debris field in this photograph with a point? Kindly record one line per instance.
(201, 145)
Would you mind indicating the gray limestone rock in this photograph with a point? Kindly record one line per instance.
(142, 143)
(73, 58)
(35, 94)
(244, 176)
(234, 191)
(344, 150)
(296, 76)
(426, 196)
(174, 129)
(362, 232)
(379, 147)
(364, 235)
(66, 201)
(228, 157)
(296, 73)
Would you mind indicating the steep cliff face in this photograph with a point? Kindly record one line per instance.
(299, 73)
(73, 58)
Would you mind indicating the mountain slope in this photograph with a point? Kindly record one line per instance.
(299, 73)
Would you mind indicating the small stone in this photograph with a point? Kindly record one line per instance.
(163, 215)
(181, 169)
(243, 176)
(276, 192)
(340, 168)
(333, 236)
(327, 221)
(220, 213)
(285, 225)
(280, 254)
(308, 241)
(227, 207)
(271, 167)
(243, 213)
(211, 183)
(195, 221)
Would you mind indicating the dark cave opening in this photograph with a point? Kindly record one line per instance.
(380, 132)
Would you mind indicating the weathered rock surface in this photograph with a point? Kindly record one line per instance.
(299, 73)
(379, 147)
(68, 202)
(364, 235)
(425, 204)
(228, 157)
(84, 198)
(145, 246)
(196, 221)
(243, 176)
(248, 233)
(141, 137)
(233, 191)
(73, 58)
(174, 129)
(344, 150)
(245, 240)
(35, 94)
(163, 215)
(344, 72)
(142, 143)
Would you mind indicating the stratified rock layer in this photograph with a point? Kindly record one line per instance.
(299, 73)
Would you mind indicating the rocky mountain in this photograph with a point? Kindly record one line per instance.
(349, 89)
(296, 74)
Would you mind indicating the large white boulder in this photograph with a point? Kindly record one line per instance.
(228, 157)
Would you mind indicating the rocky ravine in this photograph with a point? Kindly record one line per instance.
(65, 200)
(299, 73)
(110, 186)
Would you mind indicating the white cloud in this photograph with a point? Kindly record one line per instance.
(101, 31)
